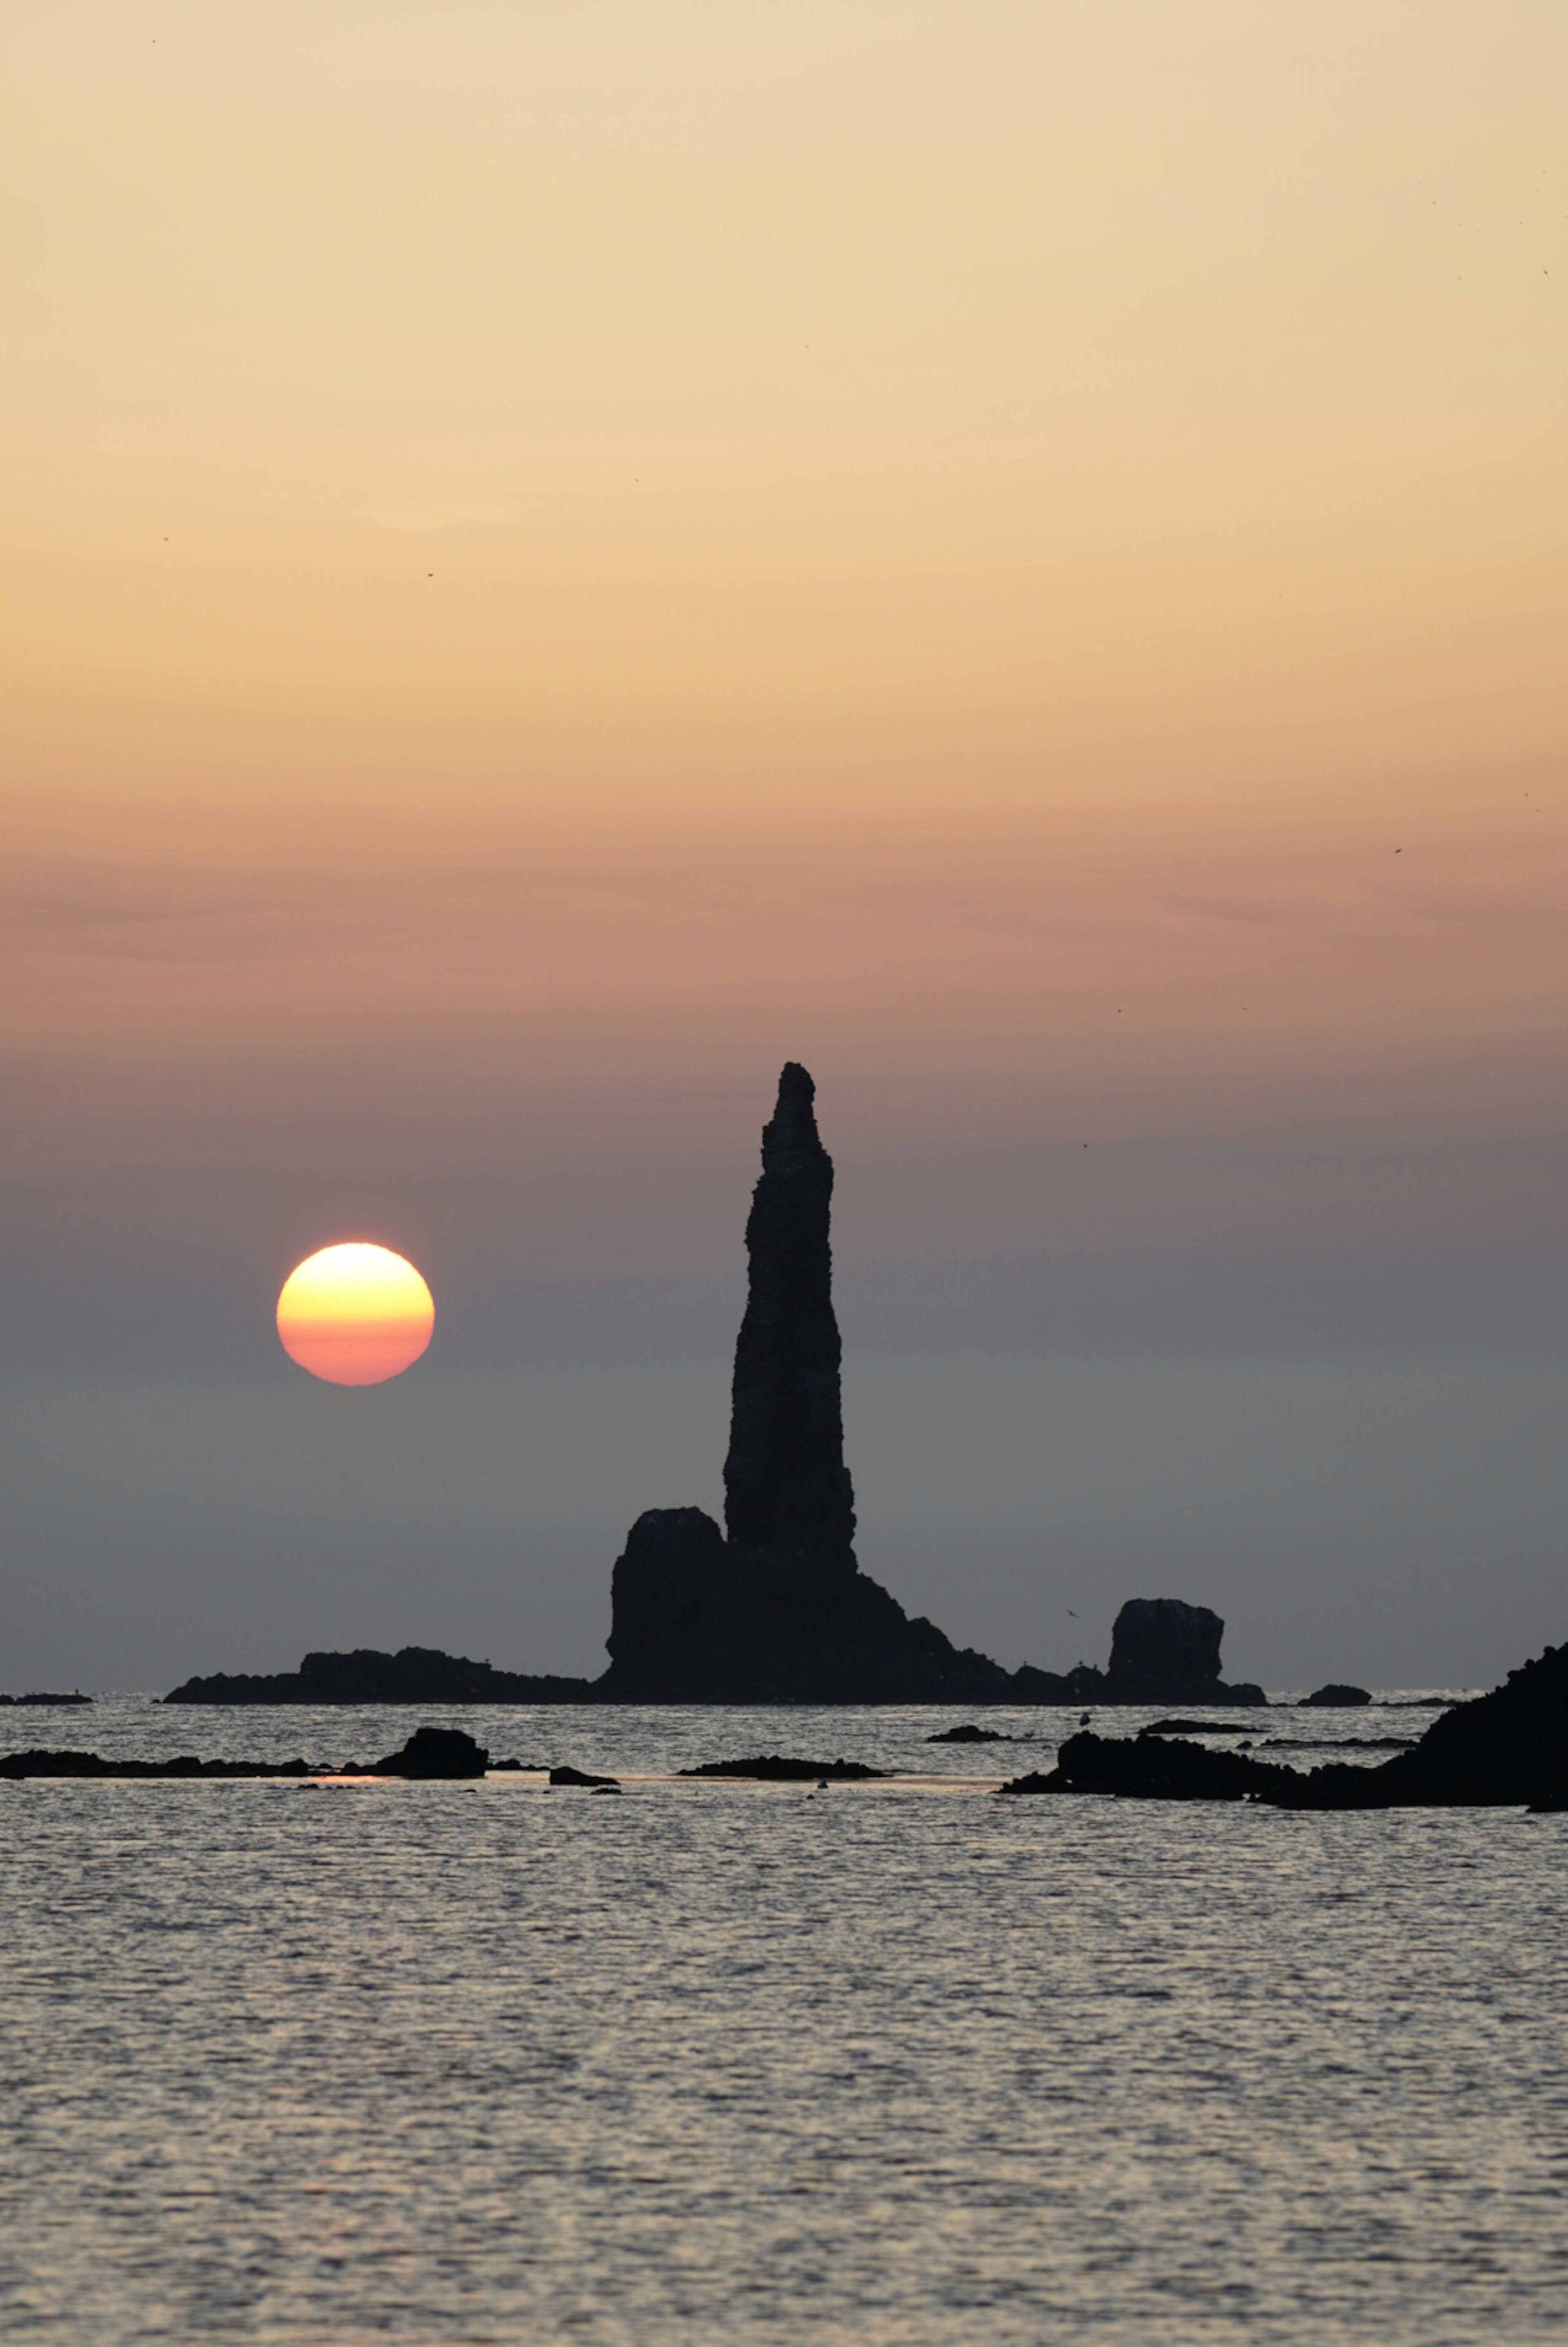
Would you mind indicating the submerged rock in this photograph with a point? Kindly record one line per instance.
(780, 1769)
(1188, 1727)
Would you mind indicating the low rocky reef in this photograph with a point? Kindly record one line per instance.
(786, 1769)
(1504, 1750)
(694, 1617)
(414, 1674)
(430, 1753)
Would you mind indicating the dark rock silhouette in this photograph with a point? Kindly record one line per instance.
(695, 1619)
(1335, 1698)
(970, 1734)
(783, 1768)
(1503, 1749)
(787, 1491)
(429, 1752)
(1187, 1727)
(413, 1675)
(45, 1702)
(776, 1609)
(1164, 1651)
(567, 1776)
(435, 1752)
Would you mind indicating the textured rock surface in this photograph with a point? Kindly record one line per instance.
(787, 1491)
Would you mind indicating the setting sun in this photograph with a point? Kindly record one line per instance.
(355, 1315)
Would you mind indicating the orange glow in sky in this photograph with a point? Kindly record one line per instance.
(355, 1315)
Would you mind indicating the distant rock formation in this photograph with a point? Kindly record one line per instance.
(774, 1608)
(1500, 1751)
(413, 1675)
(1336, 1698)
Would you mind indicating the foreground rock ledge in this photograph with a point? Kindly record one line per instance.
(1500, 1751)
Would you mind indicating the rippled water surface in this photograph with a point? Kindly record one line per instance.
(464, 2063)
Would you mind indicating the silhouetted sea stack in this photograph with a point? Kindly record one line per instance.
(787, 1491)
(775, 1609)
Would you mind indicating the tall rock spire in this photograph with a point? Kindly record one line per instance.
(787, 1489)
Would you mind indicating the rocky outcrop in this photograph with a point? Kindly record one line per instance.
(699, 1619)
(1336, 1696)
(429, 1752)
(1164, 1650)
(1503, 1749)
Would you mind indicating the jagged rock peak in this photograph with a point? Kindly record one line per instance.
(787, 1489)
(792, 1127)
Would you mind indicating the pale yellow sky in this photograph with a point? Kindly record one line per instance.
(483, 423)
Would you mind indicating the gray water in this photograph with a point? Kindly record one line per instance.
(902, 2062)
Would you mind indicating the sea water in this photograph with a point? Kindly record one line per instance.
(464, 2063)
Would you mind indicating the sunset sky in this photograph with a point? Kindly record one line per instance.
(555, 557)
